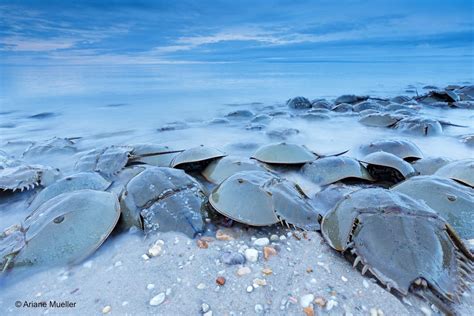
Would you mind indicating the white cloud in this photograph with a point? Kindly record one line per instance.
(20, 44)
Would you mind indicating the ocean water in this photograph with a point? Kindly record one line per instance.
(84, 100)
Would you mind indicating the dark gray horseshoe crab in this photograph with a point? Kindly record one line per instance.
(402, 242)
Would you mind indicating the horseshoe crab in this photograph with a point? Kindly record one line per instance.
(16, 175)
(402, 242)
(460, 170)
(196, 158)
(328, 170)
(299, 103)
(153, 154)
(108, 161)
(380, 119)
(284, 153)
(65, 229)
(384, 166)
(350, 98)
(419, 125)
(75, 182)
(451, 200)
(429, 165)
(163, 199)
(404, 149)
(50, 146)
(220, 169)
(260, 198)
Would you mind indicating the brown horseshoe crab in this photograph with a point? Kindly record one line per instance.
(402, 242)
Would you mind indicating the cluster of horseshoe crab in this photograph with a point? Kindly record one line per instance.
(395, 214)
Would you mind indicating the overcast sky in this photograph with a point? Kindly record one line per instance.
(142, 32)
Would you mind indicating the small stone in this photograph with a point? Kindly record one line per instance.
(258, 308)
(232, 258)
(106, 309)
(309, 269)
(150, 286)
(249, 289)
(251, 254)
(274, 237)
(202, 244)
(261, 242)
(259, 282)
(209, 313)
(145, 257)
(321, 301)
(220, 281)
(330, 304)
(118, 264)
(343, 278)
(155, 250)
(268, 252)
(243, 271)
(205, 307)
(308, 310)
(282, 237)
(158, 299)
(124, 303)
(222, 234)
(267, 271)
(201, 286)
(306, 300)
(366, 284)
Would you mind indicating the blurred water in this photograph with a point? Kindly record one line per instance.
(97, 99)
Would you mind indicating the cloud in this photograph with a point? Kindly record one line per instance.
(21, 44)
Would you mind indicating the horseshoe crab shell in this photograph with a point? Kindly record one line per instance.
(50, 146)
(460, 170)
(328, 170)
(164, 199)
(451, 200)
(404, 149)
(403, 243)
(196, 158)
(153, 154)
(420, 126)
(260, 198)
(388, 167)
(379, 119)
(284, 153)
(220, 169)
(68, 228)
(14, 175)
(429, 165)
(75, 182)
(108, 161)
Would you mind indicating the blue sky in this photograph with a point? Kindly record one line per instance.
(169, 32)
